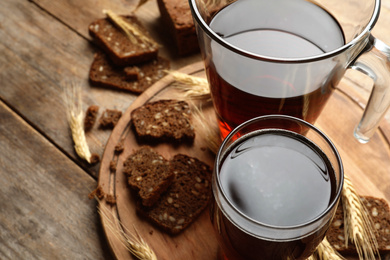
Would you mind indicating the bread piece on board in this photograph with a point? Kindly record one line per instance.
(110, 118)
(90, 117)
(148, 173)
(121, 49)
(105, 74)
(185, 199)
(177, 18)
(163, 120)
(380, 215)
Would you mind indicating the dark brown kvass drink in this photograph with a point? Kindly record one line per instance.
(242, 91)
(274, 183)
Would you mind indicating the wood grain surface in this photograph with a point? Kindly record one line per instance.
(198, 241)
(44, 45)
(44, 197)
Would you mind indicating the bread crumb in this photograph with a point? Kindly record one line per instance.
(111, 199)
(90, 117)
(112, 166)
(119, 147)
(95, 158)
(98, 192)
(110, 118)
(132, 73)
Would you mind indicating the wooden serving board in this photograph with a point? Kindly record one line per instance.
(367, 165)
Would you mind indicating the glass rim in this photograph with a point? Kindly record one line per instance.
(198, 19)
(291, 118)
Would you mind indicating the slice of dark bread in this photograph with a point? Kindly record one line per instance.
(136, 79)
(380, 214)
(185, 199)
(177, 18)
(148, 174)
(163, 120)
(122, 49)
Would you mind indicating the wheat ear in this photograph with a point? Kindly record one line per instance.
(192, 86)
(140, 3)
(206, 129)
(325, 251)
(198, 88)
(131, 30)
(72, 96)
(134, 243)
(358, 224)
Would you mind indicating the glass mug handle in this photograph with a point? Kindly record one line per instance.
(375, 63)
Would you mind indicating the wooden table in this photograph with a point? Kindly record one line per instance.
(44, 186)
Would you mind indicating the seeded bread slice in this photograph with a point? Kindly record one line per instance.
(148, 173)
(163, 120)
(136, 79)
(185, 199)
(380, 214)
(122, 49)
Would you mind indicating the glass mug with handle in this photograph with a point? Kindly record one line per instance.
(287, 56)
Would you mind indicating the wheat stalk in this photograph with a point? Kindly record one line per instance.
(198, 88)
(131, 30)
(207, 130)
(72, 97)
(134, 243)
(140, 3)
(192, 86)
(325, 251)
(358, 224)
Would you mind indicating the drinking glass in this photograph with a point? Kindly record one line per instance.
(287, 57)
(276, 185)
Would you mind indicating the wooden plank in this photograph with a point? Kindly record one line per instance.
(45, 210)
(79, 14)
(38, 54)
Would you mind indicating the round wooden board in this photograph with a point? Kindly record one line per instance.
(367, 165)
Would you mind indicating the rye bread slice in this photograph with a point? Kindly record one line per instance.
(121, 49)
(379, 212)
(148, 174)
(185, 199)
(177, 18)
(163, 120)
(135, 79)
